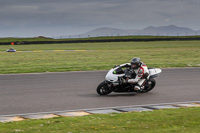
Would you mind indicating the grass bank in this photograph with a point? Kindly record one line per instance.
(182, 120)
(102, 56)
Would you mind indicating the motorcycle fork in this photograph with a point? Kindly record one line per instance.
(110, 86)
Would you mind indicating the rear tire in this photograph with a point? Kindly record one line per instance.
(103, 89)
(149, 85)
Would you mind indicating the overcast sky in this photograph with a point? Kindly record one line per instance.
(22, 18)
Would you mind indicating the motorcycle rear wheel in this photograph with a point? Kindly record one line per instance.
(150, 84)
(103, 89)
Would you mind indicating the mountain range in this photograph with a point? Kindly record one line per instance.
(170, 30)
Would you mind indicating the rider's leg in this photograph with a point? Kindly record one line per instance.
(139, 85)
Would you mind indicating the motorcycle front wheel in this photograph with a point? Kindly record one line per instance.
(103, 89)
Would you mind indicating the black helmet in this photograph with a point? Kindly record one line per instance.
(135, 63)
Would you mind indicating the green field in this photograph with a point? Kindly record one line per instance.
(183, 120)
(102, 56)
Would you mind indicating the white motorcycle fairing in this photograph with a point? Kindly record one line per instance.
(113, 77)
(154, 72)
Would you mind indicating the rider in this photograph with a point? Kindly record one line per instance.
(139, 74)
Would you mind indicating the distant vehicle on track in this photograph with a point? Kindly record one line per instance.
(11, 50)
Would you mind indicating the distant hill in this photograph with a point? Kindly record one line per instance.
(106, 31)
(170, 30)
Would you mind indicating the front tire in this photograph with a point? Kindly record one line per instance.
(103, 89)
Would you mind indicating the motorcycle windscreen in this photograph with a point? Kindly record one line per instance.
(118, 71)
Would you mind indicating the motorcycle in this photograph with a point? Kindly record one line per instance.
(114, 80)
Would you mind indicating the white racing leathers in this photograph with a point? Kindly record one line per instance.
(142, 73)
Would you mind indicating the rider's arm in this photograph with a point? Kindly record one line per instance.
(143, 72)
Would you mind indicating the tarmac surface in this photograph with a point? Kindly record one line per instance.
(47, 92)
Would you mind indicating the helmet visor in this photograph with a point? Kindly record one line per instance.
(134, 65)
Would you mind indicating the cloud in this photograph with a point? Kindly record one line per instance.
(78, 16)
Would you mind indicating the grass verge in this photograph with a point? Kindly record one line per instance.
(182, 120)
(102, 57)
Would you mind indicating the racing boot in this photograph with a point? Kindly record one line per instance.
(137, 88)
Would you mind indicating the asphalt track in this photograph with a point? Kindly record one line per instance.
(47, 92)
